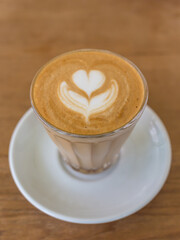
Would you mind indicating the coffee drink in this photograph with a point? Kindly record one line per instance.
(81, 97)
(88, 92)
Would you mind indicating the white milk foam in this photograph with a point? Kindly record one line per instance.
(88, 83)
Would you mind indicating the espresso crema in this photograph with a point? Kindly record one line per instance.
(88, 92)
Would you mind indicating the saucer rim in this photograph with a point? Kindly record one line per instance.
(96, 220)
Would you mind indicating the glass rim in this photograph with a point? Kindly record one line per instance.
(105, 134)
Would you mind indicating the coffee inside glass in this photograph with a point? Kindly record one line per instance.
(89, 102)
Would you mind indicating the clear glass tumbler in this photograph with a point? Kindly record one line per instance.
(92, 153)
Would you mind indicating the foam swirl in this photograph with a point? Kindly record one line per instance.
(88, 83)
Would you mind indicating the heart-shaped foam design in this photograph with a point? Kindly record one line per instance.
(83, 105)
(88, 82)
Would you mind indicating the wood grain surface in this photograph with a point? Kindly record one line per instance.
(146, 32)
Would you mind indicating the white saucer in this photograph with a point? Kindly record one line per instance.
(52, 187)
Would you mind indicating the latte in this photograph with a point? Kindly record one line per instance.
(88, 92)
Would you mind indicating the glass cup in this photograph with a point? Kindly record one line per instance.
(91, 153)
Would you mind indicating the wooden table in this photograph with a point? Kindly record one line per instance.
(146, 32)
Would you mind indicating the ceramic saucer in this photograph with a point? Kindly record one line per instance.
(52, 187)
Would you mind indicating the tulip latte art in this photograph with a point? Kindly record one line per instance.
(88, 83)
(88, 92)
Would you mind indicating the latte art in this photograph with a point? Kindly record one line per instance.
(88, 92)
(88, 83)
